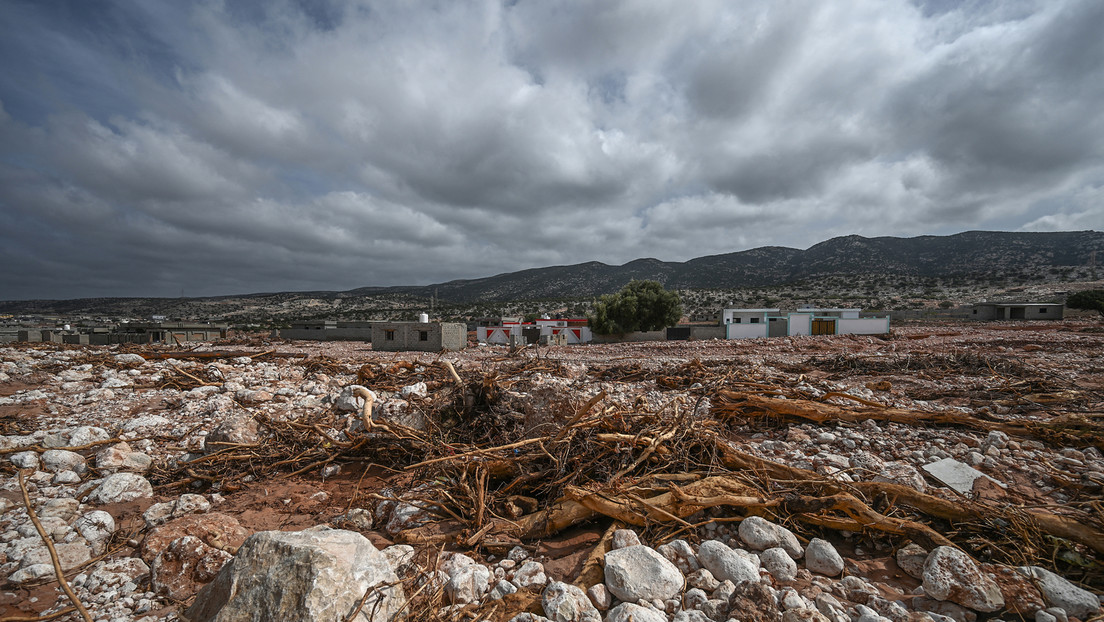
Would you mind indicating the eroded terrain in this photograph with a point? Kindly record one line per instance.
(491, 490)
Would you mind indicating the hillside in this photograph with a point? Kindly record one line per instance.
(877, 270)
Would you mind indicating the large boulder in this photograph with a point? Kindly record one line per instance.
(120, 457)
(564, 602)
(761, 534)
(1060, 593)
(121, 487)
(950, 574)
(636, 572)
(215, 529)
(315, 575)
(725, 563)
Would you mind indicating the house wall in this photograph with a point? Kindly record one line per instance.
(654, 335)
(327, 334)
(407, 336)
(746, 331)
(707, 332)
(801, 324)
(731, 315)
(863, 326)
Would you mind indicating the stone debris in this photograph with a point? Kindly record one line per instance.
(99, 430)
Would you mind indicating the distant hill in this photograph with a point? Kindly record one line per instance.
(974, 255)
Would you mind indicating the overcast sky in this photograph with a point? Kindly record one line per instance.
(154, 148)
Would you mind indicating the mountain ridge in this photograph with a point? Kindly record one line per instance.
(975, 255)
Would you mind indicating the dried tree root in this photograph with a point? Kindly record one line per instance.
(593, 567)
(1053, 524)
(757, 406)
(53, 552)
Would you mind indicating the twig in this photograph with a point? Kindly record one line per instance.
(53, 552)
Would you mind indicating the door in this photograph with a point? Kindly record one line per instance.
(824, 327)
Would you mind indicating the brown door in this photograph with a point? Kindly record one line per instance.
(824, 327)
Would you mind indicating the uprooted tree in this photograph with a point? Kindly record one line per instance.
(640, 305)
(1090, 300)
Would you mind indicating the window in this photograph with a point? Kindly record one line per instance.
(975, 311)
(1042, 310)
(389, 335)
(423, 335)
(754, 320)
(738, 320)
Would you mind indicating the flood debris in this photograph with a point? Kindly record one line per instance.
(771, 478)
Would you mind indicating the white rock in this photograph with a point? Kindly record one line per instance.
(418, 389)
(600, 596)
(56, 460)
(121, 487)
(779, 564)
(302, 576)
(949, 574)
(563, 602)
(822, 558)
(468, 584)
(95, 527)
(761, 534)
(66, 477)
(190, 504)
(637, 572)
(129, 358)
(624, 538)
(25, 460)
(32, 573)
(120, 457)
(903, 474)
(911, 559)
(85, 435)
(400, 556)
(347, 402)
(530, 573)
(1059, 592)
(630, 612)
(501, 589)
(725, 564)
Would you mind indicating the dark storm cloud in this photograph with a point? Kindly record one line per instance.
(327, 144)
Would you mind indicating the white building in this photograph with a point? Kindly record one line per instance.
(754, 323)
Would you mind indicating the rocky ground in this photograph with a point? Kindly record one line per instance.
(792, 478)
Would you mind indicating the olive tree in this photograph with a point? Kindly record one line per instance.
(640, 305)
(1089, 300)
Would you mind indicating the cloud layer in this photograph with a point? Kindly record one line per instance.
(217, 148)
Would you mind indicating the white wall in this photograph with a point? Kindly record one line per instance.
(863, 326)
(801, 324)
(746, 331)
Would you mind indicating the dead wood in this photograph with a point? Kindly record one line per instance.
(53, 552)
(752, 406)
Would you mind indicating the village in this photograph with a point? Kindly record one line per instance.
(928, 471)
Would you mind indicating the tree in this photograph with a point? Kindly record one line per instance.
(1090, 300)
(640, 305)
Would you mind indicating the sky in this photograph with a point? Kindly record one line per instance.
(212, 148)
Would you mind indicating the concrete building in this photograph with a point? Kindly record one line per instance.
(133, 332)
(569, 331)
(419, 336)
(1017, 311)
(756, 323)
(328, 330)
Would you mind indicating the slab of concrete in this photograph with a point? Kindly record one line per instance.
(956, 475)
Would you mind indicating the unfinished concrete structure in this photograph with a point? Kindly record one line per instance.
(420, 336)
(1017, 311)
(328, 330)
(131, 332)
(756, 323)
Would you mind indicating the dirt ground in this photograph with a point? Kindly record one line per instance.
(800, 402)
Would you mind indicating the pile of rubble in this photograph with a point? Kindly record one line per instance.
(938, 473)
